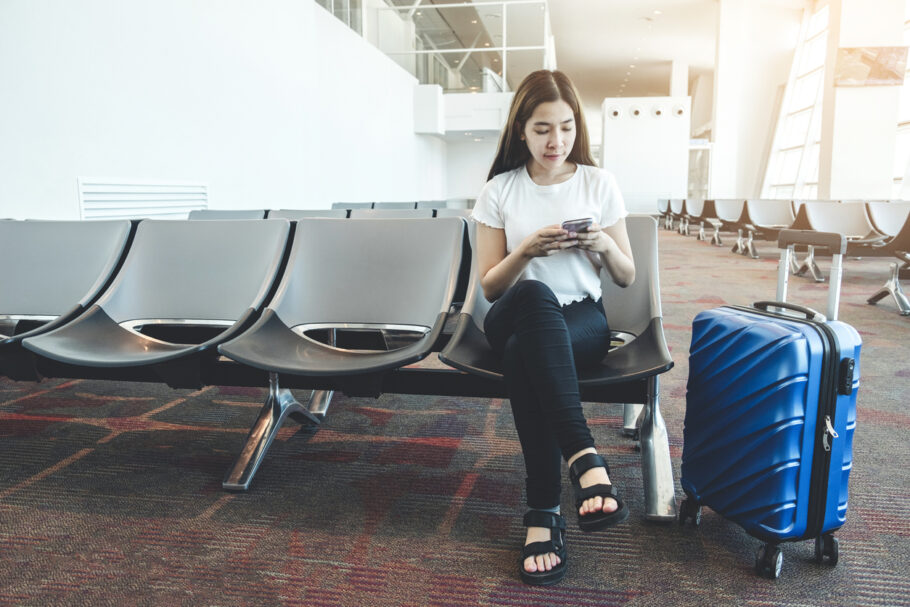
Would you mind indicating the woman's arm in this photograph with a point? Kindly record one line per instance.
(499, 269)
(615, 250)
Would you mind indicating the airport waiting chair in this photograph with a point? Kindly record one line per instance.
(700, 211)
(893, 220)
(391, 213)
(352, 205)
(432, 204)
(395, 205)
(677, 214)
(297, 214)
(663, 210)
(184, 288)
(384, 274)
(764, 219)
(53, 270)
(221, 214)
(730, 213)
(849, 219)
(628, 374)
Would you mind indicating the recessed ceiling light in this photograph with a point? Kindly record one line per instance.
(657, 12)
(486, 44)
(632, 65)
(474, 21)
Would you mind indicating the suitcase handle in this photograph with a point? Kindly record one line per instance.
(808, 312)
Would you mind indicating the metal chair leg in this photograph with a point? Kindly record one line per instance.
(279, 404)
(715, 237)
(656, 466)
(701, 231)
(738, 246)
(810, 266)
(749, 246)
(893, 288)
(630, 413)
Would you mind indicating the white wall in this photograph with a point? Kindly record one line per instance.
(468, 165)
(746, 78)
(273, 103)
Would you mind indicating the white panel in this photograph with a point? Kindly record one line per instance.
(122, 199)
(648, 151)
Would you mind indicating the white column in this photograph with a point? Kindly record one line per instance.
(859, 123)
(679, 79)
(728, 84)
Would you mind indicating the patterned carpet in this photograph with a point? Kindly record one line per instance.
(110, 493)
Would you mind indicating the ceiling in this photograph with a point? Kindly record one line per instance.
(597, 42)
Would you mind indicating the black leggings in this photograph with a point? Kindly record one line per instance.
(542, 344)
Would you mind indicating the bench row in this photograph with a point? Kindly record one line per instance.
(242, 302)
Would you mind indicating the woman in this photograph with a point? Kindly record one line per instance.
(547, 318)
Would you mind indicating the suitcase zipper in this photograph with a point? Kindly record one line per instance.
(827, 403)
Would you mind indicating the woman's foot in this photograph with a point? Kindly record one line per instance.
(596, 499)
(543, 558)
(594, 476)
(540, 562)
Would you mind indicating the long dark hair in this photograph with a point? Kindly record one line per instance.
(539, 87)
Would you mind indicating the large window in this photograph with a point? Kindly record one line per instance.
(793, 166)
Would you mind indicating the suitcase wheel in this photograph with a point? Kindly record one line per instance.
(826, 546)
(689, 508)
(769, 561)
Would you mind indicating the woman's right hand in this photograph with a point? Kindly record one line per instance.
(547, 241)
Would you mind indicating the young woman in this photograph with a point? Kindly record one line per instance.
(547, 318)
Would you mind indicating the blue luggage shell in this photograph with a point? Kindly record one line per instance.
(760, 388)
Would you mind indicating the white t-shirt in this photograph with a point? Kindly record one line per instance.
(513, 202)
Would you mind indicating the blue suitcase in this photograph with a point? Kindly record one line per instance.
(770, 414)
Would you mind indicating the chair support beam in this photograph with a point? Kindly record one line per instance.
(279, 404)
(656, 466)
(893, 288)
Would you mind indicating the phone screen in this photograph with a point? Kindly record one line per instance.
(577, 225)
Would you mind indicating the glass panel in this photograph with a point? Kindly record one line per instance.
(808, 191)
(896, 189)
(782, 192)
(521, 63)
(806, 91)
(813, 54)
(796, 129)
(525, 24)
(818, 22)
(787, 166)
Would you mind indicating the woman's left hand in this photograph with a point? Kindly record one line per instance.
(594, 239)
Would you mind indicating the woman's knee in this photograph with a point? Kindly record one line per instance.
(529, 292)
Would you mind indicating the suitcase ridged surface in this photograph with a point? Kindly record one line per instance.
(752, 421)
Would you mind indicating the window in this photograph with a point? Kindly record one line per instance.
(793, 166)
(902, 146)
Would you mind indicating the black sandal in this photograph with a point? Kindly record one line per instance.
(556, 544)
(595, 520)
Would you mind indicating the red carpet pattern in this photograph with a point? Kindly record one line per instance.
(110, 493)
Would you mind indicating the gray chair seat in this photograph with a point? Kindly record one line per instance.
(390, 213)
(297, 214)
(60, 267)
(191, 274)
(385, 273)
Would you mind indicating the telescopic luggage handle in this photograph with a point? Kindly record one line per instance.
(836, 243)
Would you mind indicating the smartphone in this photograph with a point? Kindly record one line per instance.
(577, 225)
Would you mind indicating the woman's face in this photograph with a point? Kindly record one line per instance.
(550, 134)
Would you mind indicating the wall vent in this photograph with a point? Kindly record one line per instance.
(122, 199)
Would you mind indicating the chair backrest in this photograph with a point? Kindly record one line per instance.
(630, 309)
(295, 214)
(391, 213)
(729, 210)
(395, 205)
(694, 206)
(677, 205)
(888, 217)
(432, 204)
(49, 267)
(770, 213)
(847, 218)
(197, 270)
(446, 212)
(383, 272)
(221, 214)
(663, 205)
(352, 205)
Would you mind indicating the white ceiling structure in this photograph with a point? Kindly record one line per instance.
(597, 42)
